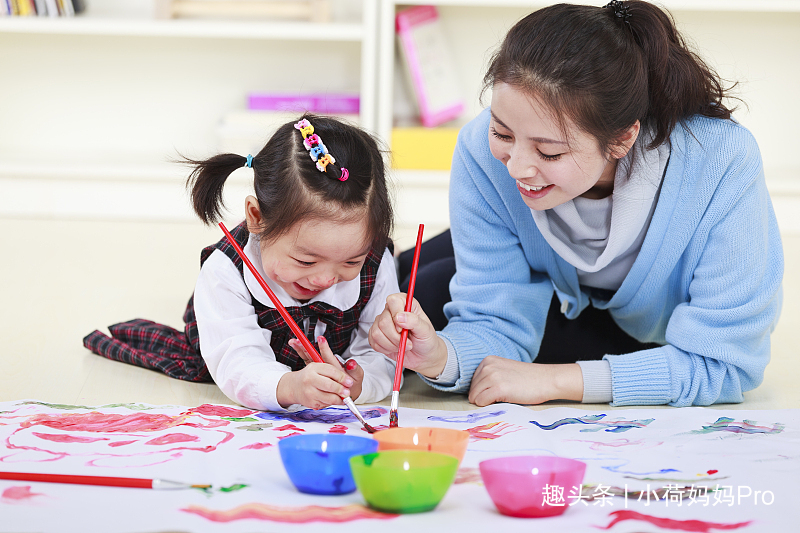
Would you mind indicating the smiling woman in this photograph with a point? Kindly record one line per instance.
(607, 213)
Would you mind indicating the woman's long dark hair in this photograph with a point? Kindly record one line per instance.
(605, 69)
(290, 188)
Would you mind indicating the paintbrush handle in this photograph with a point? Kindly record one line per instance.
(312, 352)
(401, 351)
(130, 482)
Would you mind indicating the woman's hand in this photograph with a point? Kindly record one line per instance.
(425, 352)
(318, 385)
(504, 380)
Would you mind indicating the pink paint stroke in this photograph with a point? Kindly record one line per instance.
(121, 443)
(696, 526)
(289, 515)
(338, 428)
(221, 410)
(491, 431)
(256, 446)
(289, 427)
(172, 438)
(289, 435)
(67, 438)
(17, 494)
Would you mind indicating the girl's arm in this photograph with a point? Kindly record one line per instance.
(378, 369)
(235, 348)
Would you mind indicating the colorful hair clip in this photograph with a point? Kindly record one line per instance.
(316, 148)
(324, 161)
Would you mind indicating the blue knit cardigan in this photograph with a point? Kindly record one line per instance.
(706, 284)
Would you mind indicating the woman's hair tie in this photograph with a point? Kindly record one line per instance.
(249, 162)
(620, 10)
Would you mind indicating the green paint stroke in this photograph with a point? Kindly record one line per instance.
(233, 488)
(255, 427)
(68, 407)
(241, 419)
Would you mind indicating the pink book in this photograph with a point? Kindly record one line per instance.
(330, 104)
(428, 61)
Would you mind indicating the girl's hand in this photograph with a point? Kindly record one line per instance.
(351, 366)
(318, 385)
(504, 380)
(425, 352)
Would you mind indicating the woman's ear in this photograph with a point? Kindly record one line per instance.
(252, 214)
(625, 141)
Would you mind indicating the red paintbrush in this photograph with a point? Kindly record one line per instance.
(130, 482)
(310, 350)
(401, 352)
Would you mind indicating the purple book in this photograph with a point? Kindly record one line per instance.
(331, 104)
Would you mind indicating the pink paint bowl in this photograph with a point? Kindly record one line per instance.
(439, 440)
(532, 486)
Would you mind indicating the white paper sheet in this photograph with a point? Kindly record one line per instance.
(737, 469)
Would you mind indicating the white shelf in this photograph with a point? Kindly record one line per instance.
(689, 5)
(288, 31)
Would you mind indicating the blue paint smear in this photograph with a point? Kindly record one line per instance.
(609, 426)
(468, 419)
(329, 415)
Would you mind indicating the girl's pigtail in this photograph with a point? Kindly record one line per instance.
(206, 182)
(680, 83)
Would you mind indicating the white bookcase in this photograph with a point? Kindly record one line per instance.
(96, 107)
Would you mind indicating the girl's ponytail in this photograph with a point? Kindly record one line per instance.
(207, 181)
(680, 83)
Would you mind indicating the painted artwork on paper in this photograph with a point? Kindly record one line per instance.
(690, 469)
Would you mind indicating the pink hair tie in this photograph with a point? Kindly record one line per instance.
(345, 174)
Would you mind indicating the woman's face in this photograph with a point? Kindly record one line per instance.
(549, 169)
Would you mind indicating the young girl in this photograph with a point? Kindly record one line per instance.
(607, 213)
(317, 230)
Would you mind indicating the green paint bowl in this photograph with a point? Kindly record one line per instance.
(403, 481)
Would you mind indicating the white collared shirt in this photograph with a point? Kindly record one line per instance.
(237, 350)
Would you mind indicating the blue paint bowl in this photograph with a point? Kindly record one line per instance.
(320, 463)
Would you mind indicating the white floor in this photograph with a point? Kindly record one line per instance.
(61, 279)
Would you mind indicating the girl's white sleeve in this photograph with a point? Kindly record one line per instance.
(235, 348)
(378, 369)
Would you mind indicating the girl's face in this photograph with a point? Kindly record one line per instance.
(316, 254)
(547, 168)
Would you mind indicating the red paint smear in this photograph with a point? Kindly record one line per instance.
(256, 446)
(66, 438)
(290, 515)
(289, 427)
(220, 410)
(376, 428)
(289, 435)
(338, 429)
(697, 526)
(712, 472)
(172, 438)
(105, 423)
(19, 493)
(121, 443)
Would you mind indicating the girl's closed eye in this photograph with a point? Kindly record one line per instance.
(304, 263)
